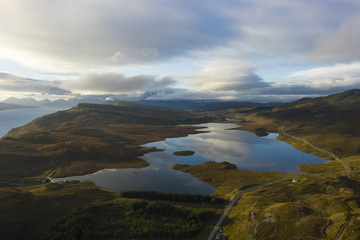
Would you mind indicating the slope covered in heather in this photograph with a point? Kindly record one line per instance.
(88, 138)
(331, 122)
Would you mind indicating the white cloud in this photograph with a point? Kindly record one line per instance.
(111, 82)
(118, 57)
(286, 28)
(340, 44)
(322, 80)
(63, 35)
(227, 73)
(150, 52)
(226, 42)
(336, 70)
(13, 83)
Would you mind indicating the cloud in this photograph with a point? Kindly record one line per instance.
(239, 83)
(226, 45)
(73, 36)
(235, 79)
(227, 73)
(111, 82)
(180, 93)
(329, 71)
(117, 57)
(70, 36)
(340, 44)
(285, 28)
(150, 52)
(321, 80)
(13, 83)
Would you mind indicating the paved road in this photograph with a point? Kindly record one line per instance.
(352, 213)
(233, 201)
(347, 167)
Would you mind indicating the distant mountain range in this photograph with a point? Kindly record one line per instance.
(13, 103)
(202, 105)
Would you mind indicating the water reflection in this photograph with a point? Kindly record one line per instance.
(244, 149)
(158, 176)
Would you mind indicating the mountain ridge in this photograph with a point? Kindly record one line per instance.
(336, 116)
(88, 138)
(202, 105)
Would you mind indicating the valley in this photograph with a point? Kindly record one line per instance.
(158, 119)
(321, 203)
(86, 139)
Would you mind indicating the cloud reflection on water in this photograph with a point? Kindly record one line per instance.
(244, 149)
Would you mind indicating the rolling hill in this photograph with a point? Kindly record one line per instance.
(331, 122)
(87, 138)
(323, 204)
(201, 105)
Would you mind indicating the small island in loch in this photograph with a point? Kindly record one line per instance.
(184, 153)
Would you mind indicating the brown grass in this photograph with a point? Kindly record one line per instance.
(184, 153)
(226, 177)
(88, 138)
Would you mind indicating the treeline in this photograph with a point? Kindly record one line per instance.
(174, 197)
(136, 220)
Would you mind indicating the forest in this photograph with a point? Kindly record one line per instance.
(174, 197)
(136, 220)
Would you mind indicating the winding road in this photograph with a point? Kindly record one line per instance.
(233, 201)
(347, 167)
(352, 213)
(238, 195)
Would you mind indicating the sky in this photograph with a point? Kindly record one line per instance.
(257, 50)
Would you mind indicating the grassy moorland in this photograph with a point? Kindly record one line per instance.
(227, 178)
(317, 206)
(313, 208)
(323, 204)
(331, 123)
(88, 138)
(85, 139)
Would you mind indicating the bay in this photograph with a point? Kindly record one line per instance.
(13, 118)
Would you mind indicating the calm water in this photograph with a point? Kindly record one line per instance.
(244, 149)
(12, 118)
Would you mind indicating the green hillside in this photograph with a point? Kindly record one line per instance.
(330, 109)
(323, 204)
(86, 114)
(331, 122)
(88, 138)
